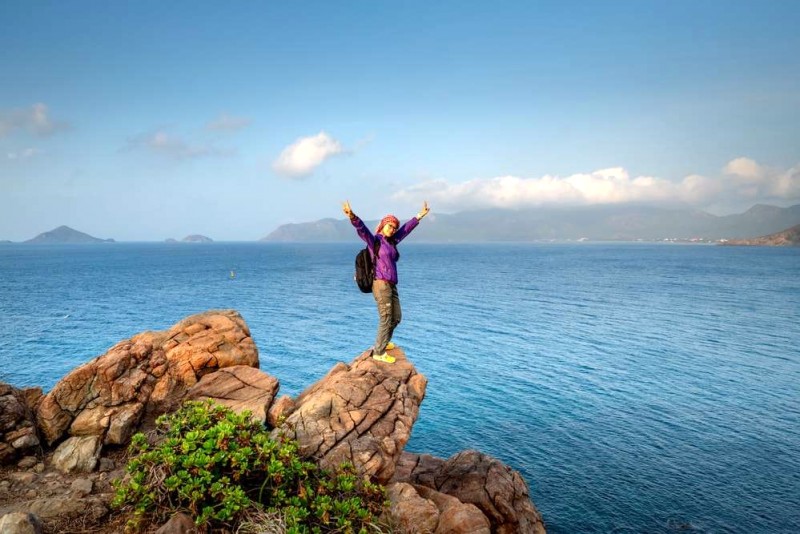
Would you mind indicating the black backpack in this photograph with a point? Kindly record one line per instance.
(365, 269)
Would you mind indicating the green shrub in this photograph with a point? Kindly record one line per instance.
(224, 469)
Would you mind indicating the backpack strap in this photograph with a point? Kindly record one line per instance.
(376, 247)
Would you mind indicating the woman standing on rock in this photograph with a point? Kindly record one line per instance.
(387, 236)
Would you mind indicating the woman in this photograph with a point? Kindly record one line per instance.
(388, 234)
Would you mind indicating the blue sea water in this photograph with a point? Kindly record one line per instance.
(637, 387)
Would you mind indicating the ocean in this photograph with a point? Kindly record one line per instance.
(638, 388)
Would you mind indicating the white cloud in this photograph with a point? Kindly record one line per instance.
(744, 168)
(35, 120)
(306, 154)
(228, 123)
(743, 180)
(174, 147)
(26, 153)
(754, 181)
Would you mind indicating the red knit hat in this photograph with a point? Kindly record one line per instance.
(388, 219)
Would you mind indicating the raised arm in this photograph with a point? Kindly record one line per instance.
(358, 224)
(412, 223)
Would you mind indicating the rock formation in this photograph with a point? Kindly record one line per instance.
(417, 508)
(17, 423)
(240, 388)
(143, 376)
(361, 412)
(472, 477)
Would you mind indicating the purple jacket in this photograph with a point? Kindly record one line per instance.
(386, 266)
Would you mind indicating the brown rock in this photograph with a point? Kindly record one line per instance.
(22, 479)
(280, 409)
(410, 512)
(416, 509)
(475, 478)
(106, 464)
(11, 409)
(81, 487)
(142, 377)
(239, 388)
(7, 453)
(32, 397)
(78, 454)
(27, 462)
(418, 469)
(362, 413)
(17, 424)
(92, 508)
(179, 523)
(455, 517)
(23, 438)
(91, 422)
(123, 423)
(20, 523)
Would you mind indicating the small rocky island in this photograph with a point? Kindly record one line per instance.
(197, 238)
(60, 451)
(65, 235)
(785, 238)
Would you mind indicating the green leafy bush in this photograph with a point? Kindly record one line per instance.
(224, 470)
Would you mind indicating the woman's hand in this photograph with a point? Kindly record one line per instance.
(425, 210)
(347, 210)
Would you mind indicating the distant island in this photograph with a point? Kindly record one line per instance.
(196, 238)
(580, 223)
(785, 238)
(67, 236)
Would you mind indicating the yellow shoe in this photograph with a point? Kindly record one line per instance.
(383, 358)
(390, 346)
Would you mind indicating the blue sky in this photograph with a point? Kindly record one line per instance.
(150, 120)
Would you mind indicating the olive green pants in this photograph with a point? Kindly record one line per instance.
(389, 313)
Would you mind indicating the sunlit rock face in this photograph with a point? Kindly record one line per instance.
(362, 413)
(143, 376)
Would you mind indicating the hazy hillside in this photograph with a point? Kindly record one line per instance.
(197, 238)
(786, 238)
(590, 222)
(65, 235)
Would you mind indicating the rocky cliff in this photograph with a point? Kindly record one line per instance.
(60, 451)
(786, 238)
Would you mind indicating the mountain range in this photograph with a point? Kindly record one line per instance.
(596, 223)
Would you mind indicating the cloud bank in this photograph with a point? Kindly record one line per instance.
(742, 181)
(35, 120)
(302, 157)
(171, 146)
